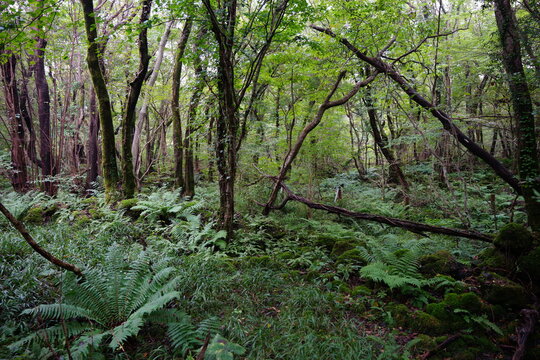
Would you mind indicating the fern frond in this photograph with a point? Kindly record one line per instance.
(59, 312)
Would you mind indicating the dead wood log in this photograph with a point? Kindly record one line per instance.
(415, 227)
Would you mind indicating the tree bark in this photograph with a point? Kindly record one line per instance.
(135, 86)
(108, 148)
(529, 170)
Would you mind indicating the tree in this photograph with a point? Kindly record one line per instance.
(223, 23)
(108, 148)
(523, 109)
(135, 86)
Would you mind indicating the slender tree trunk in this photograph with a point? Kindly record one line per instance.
(396, 176)
(175, 106)
(44, 115)
(93, 149)
(523, 109)
(189, 171)
(291, 155)
(19, 179)
(128, 121)
(143, 113)
(108, 148)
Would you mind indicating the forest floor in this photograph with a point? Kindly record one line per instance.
(297, 284)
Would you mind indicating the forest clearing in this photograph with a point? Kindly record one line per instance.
(270, 179)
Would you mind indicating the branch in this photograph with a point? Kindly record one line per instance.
(444, 118)
(415, 227)
(47, 255)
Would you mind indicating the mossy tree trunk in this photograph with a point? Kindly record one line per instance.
(108, 149)
(135, 86)
(523, 109)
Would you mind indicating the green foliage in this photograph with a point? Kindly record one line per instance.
(112, 302)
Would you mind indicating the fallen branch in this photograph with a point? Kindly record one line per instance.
(415, 227)
(524, 330)
(26, 235)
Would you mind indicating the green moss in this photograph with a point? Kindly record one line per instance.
(502, 291)
(361, 290)
(425, 343)
(353, 256)
(494, 259)
(468, 301)
(514, 238)
(426, 323)
(400, 314)
(342, 246)
(34, 215)
(530, 264)
(441, 262)
(325, 242)
(127, 203)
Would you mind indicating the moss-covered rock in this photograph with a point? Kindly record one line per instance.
(34, 215)
(425, 323)
(326, 242)
(530, 264)
(127, 205)
(499, 290)
(361, 290)
(514, 238)
(342, 246)
(493, 259)
(468, 301)
(353, 256)
(441, 262)
(446, 311)
(400, 314)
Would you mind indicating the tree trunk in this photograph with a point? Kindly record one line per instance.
(128, 121)
(175, 106)
(523, 109)
(93, 150)
(44, 115)
(18, 162)
(189, 171)
(143, 113)
(108, 149)
(396, 176)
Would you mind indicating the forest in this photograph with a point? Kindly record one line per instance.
(270, 179)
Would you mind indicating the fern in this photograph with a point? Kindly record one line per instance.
(113, 302)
